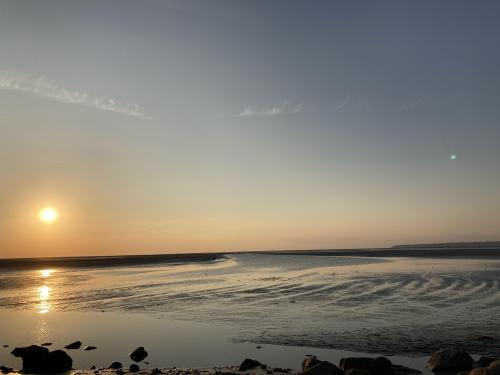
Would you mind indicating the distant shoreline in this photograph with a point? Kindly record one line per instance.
(400, 252)
(16, 264)
(438, 250)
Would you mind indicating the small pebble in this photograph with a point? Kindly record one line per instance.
(133, 368)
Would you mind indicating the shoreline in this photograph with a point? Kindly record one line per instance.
(397, 251)
(454, 359)
(20, 264)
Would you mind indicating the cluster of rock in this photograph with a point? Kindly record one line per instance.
(450, 361)
(40, 360)
(458, 361)
(311, 365)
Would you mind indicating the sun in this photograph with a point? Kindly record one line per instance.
(48, 215)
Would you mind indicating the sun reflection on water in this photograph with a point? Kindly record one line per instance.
(44, 305)
(46, 273)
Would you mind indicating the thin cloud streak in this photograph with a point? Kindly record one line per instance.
(342, 104)
(50, 90)
(284, 109)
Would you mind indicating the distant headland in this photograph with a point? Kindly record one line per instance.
(450, 245)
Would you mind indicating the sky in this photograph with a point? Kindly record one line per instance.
(191, 126)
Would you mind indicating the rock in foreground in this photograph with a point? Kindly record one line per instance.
(31, 356)
(138, 354)
(249, 364)
(323, 368)
(74, 345)
(39, 360)
(6, 370)
(115, 365)
(133, 368)
(310, 361)
(455, 359)
(494, 368)
(55, 362)
(358, 363)
(364, 365)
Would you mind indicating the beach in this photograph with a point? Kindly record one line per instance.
(276, 308)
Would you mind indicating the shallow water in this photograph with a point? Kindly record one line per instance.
(389, 306)
(169, 342)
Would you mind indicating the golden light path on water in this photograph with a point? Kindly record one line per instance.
(46, 273)
(44, 306)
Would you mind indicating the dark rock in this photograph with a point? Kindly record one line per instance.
(259, 347)
(120, 371)
(6, 370)
(375, 366)
(74, 345)
(157, 371)
(494, 368)
(279, 369)
(382, 366)
(46, 344)
(310, 361)
(133, 368)
(115, 365)
(403, 370)
(92, 368)
(32, 356)
(249, 364)
(55, 362)
(138, 354)
(87, 348)
(455, 359)
(323, 368)
(477, 371)
(6, 346)
(484, 362)
(356, 371)
(358, 363)
(39, 360)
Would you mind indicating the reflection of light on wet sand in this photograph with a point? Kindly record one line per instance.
(43, 297)
(46, 273)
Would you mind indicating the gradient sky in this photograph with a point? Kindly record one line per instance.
(174, 126)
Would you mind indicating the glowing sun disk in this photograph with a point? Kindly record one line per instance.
(48, 215)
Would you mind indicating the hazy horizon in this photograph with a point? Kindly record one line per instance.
(188, 126)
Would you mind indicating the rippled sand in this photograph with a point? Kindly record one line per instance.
(394, 306)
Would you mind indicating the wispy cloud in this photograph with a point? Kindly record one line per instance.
(50, 90)
(341, 105)
(283, 109)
